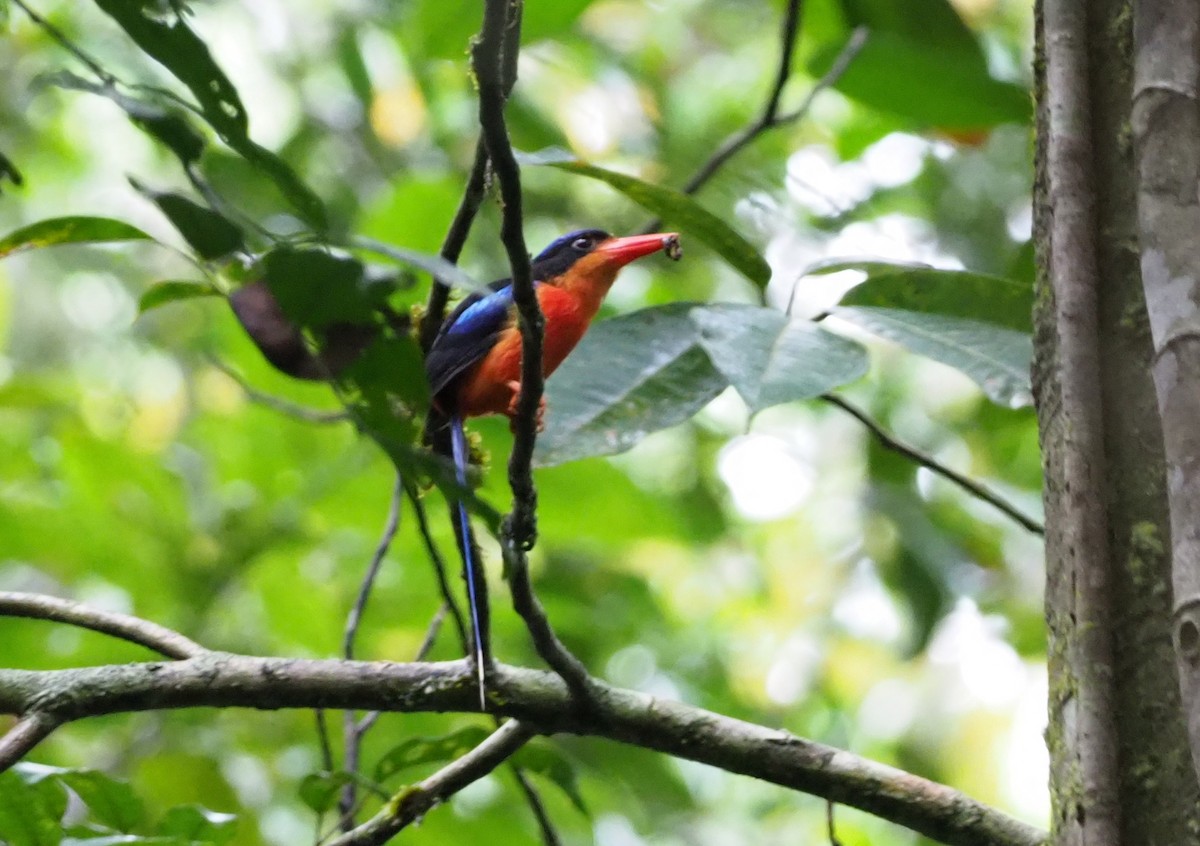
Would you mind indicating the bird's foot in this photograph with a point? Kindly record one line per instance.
(539, 419)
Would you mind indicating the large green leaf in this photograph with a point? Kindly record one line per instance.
(31, 807)
(996, 357)
(177, 48)
(673, 207)
(771, 359)
(953, 293)
(315, 288)
(929, 86)
(630, 376)
(69, 230)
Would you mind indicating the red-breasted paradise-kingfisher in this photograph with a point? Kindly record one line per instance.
(474, 363)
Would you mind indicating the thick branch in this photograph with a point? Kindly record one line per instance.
(537, 698)
(414, 802)
(1079, 515)
(133, 629)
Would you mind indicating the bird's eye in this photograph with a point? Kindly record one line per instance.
(582, 244)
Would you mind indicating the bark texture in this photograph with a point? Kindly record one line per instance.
(1122, 642)
(1166, 127)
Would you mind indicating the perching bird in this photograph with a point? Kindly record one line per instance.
(474, 363)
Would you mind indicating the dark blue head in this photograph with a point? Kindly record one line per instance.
(557, 258)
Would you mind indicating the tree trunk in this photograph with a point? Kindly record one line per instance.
(1120, 766)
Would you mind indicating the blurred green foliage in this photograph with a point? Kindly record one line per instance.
(769, 561)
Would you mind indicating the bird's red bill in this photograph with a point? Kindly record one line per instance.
(621, 251)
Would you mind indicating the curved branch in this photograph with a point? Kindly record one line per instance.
(414, 802)
(537, 698)
(770, 117)
(28, 732)
(974, 488)
(37, 606)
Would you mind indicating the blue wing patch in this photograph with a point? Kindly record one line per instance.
(484, 315)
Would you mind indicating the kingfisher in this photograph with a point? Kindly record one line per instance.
(474, 363)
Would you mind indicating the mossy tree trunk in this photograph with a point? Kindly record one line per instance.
(1120, 765)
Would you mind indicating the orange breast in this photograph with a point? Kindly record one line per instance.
(485, 387)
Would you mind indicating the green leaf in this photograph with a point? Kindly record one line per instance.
(926, 84)
(197, 825)
(935, 23)
(771, 359)
(996, 357)
(177, 48)
(210, 234)
(69, 230)
(630, 376)
(395, 366)
(315, 288)
(673, 207)
(31, 807)
(112, 803)
(172, 291)
(549, 763)
(428, 750)
(319, 791)
(954, 293)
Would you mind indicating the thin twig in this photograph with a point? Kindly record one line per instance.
(830, 826)
(489, 61)
(456, 238)
(70, 46)
(29, 731)
(352, 734)
(439, 569)
(854, 44)
(770, 117)
(323, 740)
(534, 800)
(354, 618)
(412, 803)
(974, 488)
(431, 633)
(158, 638)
